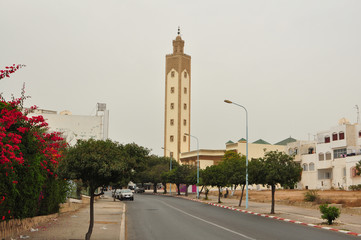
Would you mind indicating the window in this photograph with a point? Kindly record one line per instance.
(311, 167)
(296, 151)
(185, 106)
(341, 135)
(310, 150)
(305, 167)
(334, 137)
(172, 90)
(321, 157)
(185, 74)
(172, 74)
(172, 122)
(339, 153)
(171, 138)
(359, 134)
(290, 151)
(172, 106)
(185, 90)
(184, 138)
(324, 174)
(184, 122)
(328, 156)
(327, 139)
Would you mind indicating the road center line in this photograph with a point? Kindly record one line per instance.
(203, 220)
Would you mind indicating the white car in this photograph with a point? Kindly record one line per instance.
(126, 194)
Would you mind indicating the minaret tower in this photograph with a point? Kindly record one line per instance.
(177, 100)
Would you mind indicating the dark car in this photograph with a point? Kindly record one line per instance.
(139, 190)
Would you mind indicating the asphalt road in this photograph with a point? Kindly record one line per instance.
(152, 217)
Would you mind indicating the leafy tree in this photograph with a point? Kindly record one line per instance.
(166, 176)
(215, 177)
(278, 168)
(234, 168)
(190, 177)
(183, 174)
(136, 159)
(155, 167)
(96, 163)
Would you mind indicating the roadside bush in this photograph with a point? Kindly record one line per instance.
(355, 187)
(29, 157)
(329, 213)
(311, 196)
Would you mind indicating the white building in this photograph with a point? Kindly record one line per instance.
(330, 160)
(75, 127)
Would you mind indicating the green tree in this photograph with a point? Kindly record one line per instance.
(154, 169)
(183, 174)
(234, 168)
(214, 176)
(96, 163)
(278, 168)
(358, 168)
(166, 176)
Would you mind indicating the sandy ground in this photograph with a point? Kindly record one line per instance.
(348, 199)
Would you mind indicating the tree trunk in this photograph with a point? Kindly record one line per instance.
(165, 188)
(91, 223)
(234, 187)
(178, 188)
(240, 200)
(219, 195)
(201, 190)
(155, 187)
(187, 190)
(273, 199)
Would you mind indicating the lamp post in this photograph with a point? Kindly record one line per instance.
(197, 161)
(227, 101)
(170, 168)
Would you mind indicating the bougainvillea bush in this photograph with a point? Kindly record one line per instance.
(29, 157)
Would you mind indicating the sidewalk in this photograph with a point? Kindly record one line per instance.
(74, 226)
(346, 222)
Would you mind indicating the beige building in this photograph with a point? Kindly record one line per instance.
(177, 100)
(257, 149)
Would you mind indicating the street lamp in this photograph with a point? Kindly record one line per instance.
(170, 168)
(197, 161)
(227, 101)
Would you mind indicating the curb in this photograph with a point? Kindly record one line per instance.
(274, 217)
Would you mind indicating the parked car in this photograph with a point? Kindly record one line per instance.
(115, 193)
(139, 190)
(126, 194)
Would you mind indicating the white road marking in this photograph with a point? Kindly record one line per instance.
(216, 225)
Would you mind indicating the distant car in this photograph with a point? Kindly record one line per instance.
(139, 190)
(126, 194)
(115, 193)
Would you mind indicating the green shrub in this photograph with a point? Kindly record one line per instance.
(311, 196)
(329, 213)
(355, 187)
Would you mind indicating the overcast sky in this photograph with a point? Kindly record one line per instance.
(295, 65)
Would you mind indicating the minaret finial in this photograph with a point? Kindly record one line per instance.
(178, 31)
